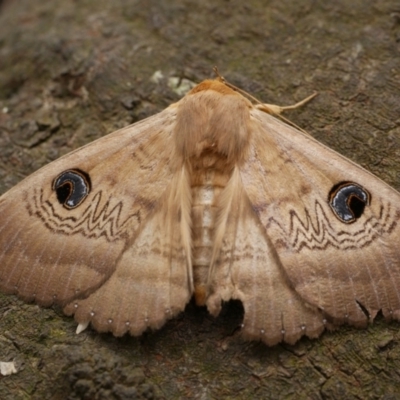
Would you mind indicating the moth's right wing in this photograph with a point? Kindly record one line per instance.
(247, 268)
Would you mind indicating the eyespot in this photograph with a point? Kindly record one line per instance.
(348, 201)
(72, 188)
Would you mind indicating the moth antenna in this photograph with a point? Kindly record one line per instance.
(271, 109)
(219, 76)
(235, 88)
(277, 111)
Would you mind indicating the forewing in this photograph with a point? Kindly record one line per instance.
(347, 269)
(116, 252)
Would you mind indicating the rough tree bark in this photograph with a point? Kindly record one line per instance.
(71, 72)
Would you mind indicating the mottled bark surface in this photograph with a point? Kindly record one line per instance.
(70, 72)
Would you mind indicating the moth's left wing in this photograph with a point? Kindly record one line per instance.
(98, 231)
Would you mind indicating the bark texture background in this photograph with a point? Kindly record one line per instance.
(72, 71)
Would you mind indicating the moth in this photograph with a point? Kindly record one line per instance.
(212, 197)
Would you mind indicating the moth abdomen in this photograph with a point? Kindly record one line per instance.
(210, 176)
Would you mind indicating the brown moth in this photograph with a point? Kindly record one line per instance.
(212, 197)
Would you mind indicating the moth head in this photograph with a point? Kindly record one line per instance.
(348, 201)
(72, 187)
(213, 117)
